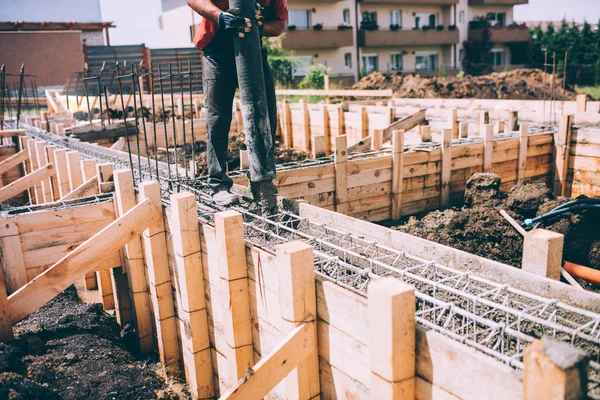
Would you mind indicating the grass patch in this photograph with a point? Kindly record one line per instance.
(592, 91)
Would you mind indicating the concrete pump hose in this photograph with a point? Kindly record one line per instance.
(579, 271)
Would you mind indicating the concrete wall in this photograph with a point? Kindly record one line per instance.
(52, 56)
(176, 25)
(52, 11)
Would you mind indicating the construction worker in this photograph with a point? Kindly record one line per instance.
(214, 36)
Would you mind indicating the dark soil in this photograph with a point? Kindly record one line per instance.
(479, 228)
(72, 350)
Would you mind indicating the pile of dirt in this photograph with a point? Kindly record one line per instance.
(479, 228)
(71, 350)
(519, 84)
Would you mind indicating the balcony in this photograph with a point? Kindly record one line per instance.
(502, 35)
(412, 2)
(317, 39)
(416, 37)
(497, 2)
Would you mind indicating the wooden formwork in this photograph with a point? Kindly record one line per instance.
(237, 319)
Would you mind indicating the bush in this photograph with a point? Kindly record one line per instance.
(439, 27)
(394, 27)
(315, 77)
(291, 27)
(452, 28)
(460, 75)
(318, 27)
(442, 71)
(280, 63)
(343, 27)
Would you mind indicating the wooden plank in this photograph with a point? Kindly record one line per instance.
(446, 167)
(6, 323)
(81, 260)
(397, 174)
(88, 188)
(334, 93)
(298, 304)
(13, 161)
(294, 349)
(523, 144)
(341, 170)
(159, 283)
(561, 152)
(488, 146)
(11, 256)
(12, 132)
(62, 171)
(36, 190)
(50, 151)
(19, 186)
(74, 170)
(42, 159)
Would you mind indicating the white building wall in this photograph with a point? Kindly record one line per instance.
(137, 22)
(176, 24)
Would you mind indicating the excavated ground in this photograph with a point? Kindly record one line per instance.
(519, 84)
(479, 228)
(72, 350)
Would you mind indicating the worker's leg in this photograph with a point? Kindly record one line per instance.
(219, 80)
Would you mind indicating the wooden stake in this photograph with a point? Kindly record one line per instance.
(88, 172)
(33, 163)
(484, 119)
(159, 282)
(562, 142)
(464, 129)
(62, 171)
(233, 272)
(244, 163)
(306, 123)
(50, 150)
(446, 167)
(425, 133)
(326, 129)
(11, 256)
(319, 146)
(499, 127)
(542, 253)
(523, 144)
(134, 264)
(513, 121)
(554, 371)
(581, 103)
(392, 336)
(193, 317)
(341, 172)
(453, 122)
(341, 121)
(298, 305)
(488, 147)
(6, 330)
(397, 174)
(74, 170)
(42, 160)
(288, 135)
(364, 122)
(377, 141)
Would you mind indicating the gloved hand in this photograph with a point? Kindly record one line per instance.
(260, 19)
(230, 22)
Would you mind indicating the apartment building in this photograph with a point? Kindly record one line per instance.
(356, 37)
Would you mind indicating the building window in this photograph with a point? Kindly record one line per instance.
(426, 61)
(299, 18)
(396, 19)
(348, 60)
(370, 63)
(496, 18)
(369, 20)
(461, 17)
(396, 61)
(346, 16)
(498, 59)
(425, 19)
(301, 64)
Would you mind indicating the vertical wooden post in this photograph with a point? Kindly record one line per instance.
(305, 124)
(88, 169)
(159, 279)
(104, 172)
(488, 147)
(62, 172)
(298, 304)
(318, 146)
(134, 264)
(554, 371)
(377, 139)
(341, 121)
(6, 330)
(523, 145)
(392, 337)
(193, 316)
(391, 111)
(11, 256)
(288, 135)
(453, 122)
(103, 277)
(233, 272)
(42, 159)
(341, 172)
(484, 119)
(326, 129)
(244, 162)
(542, 253)
(397, 174)
(364, 122)
(581, 103)
(499, 127)
(562, 143)
(513, 121)
(74, 169)
(446, 167)
(463, 129)
(50, 150)
(425, 133)
(33, 162)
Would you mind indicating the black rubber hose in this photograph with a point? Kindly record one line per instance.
(249, 63)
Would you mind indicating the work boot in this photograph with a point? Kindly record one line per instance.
(225, 198)
(265, 193)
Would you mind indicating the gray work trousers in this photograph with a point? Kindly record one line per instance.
(219, 77)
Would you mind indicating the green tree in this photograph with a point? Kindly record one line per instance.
(280, 62)
(315, 77)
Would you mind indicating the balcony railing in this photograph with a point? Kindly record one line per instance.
(497, 2)
(508, 34)
(406, 37)
(412, 2)
(317, 39)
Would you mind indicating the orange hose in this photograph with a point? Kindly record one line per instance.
(579, 271)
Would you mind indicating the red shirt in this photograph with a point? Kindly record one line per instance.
(208, 29)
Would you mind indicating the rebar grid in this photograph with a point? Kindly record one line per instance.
(495, 319)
